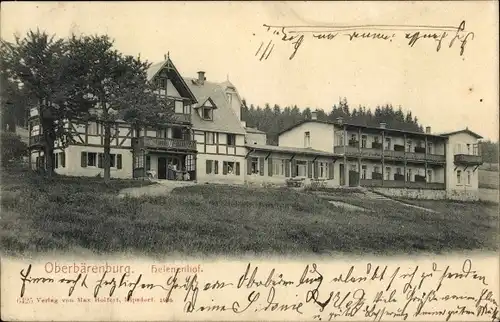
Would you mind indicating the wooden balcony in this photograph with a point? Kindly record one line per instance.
(166, 144)
(468, 159)
(181, 118)
(366, 153)
(36, 141)
(402, 184)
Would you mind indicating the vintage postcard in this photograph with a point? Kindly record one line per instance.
(247, 161)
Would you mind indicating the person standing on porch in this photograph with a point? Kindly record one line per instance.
(170, 172)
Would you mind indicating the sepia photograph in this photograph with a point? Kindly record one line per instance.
(275, 131)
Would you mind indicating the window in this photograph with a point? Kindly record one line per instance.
(255, 165)
(376, 139)
(278, 167)
(112, 160)
(307, 139)
(179, 107)
(475, 149)
(92, 129)
(92, 159)
(459, 176)
(340, 138)
(429, 147)
(458, 148)
(376, 169)
(55, 160)
(231, 139)
(190, 163)
(387, 143)
(187, 109)
(229, 98)
(398, 170)
(387, 173)
(323, 170)
(212, 167)
(408, 175)
(177, 133)
(207, 113)
(209, 137)
(231, 168)
(363, 141)
(353, 137)
(408, 146)
(363, 172)
(301, 168)
(354, 167)
(468, 148)
(468, 177)
(429, 175)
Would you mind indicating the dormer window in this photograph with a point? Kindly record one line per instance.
(206, 110)
(207, 113)
(229, 98)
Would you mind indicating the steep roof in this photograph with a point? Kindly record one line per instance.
(224, 118)
(173, 75)
(477, 136)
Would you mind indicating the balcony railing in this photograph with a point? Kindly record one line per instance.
(167, 144)
(181, 118)
(36, 140)
(388, 154)
(468, 159)
(402, 184)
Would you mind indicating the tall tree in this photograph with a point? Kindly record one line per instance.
(117, 88)
(39, 62)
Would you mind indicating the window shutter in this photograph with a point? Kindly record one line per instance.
(54, 163)
(294, 168)
(63, 159)
(270, 166)
(249, 166)
(224, 168)
(309, 169)
(148, 162)
(84, 160)
(216, 167)
(316, 169)
(237, 168)
(287, 168)
(99, 160)
(208, 166)
(330, 170)
(261, 166)
(119, 161)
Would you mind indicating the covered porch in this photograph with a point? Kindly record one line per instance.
(165, 165)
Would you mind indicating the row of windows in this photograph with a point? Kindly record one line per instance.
(94, 159)
(212, 138)
(228, 167)
(468, 148)
(58, 160)
(388, 145)
(285, 168)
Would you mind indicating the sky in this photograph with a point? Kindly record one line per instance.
(444, 89)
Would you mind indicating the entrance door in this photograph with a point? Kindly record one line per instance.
(162, 168)
(341, 174)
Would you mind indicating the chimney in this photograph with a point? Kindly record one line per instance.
(339, 120)
(314, 115)
(201, 77)
(428, 129)
(382, 125)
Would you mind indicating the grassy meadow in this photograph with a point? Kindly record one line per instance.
(67, 213)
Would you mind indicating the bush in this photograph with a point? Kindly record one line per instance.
(13, 148)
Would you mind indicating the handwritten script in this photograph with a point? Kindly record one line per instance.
(366, 291)
(412, 35)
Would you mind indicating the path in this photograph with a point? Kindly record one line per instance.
(377, 196)
(160, 188)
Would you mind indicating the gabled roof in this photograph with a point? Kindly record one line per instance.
(477, 136)
(224, 118)
(210, 100)
(174, 76)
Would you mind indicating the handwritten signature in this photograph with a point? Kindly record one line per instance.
(377, 292)
(411, 34)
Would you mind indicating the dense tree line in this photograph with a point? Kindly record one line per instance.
(276, 119)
